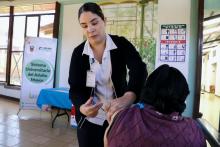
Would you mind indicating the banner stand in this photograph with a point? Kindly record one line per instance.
(38, 70)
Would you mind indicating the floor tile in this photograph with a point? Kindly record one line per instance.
(32, 128)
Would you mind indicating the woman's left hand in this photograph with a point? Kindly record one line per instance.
(119, 104)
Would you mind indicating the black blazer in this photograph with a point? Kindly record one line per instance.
(123, 58)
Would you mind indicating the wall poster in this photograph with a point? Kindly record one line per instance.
(173, 43)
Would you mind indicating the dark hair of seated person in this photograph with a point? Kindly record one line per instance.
(166, 90)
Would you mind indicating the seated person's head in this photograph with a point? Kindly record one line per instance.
(166, 90)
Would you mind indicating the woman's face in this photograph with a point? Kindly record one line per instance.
(93, 27)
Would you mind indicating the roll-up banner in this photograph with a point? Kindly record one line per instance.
(38, 69)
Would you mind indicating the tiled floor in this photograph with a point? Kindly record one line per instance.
(32, 128)
(210, 108)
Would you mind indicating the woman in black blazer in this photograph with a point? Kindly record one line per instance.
(99, 82)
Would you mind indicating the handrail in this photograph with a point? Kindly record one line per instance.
(211, 134)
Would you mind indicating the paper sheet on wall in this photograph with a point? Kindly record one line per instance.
(173, 47)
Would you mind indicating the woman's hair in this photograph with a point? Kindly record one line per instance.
(166, 90)
(91, 7)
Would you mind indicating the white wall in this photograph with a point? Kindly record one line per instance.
(174, 12)
(213, 74)
(217, 84)
(208, 75)
(211, 70)
(9, 92)
(71, 37)
(217, 80)
(181, 12)
(204, 71)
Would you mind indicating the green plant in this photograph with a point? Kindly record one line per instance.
(147, 50)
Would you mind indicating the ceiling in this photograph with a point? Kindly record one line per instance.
(211, 31)
(211, 24)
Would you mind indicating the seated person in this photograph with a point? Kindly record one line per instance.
(156, 120)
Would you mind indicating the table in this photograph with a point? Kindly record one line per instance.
(58, 97)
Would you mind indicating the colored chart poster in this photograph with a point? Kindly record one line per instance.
(173, 43)
(38, 69)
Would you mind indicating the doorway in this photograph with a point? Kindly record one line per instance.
(209, 105)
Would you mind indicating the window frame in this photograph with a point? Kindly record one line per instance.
(141, 38)
(56, 14)
(5, 49)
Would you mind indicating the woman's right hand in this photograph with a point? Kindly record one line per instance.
(89, 108)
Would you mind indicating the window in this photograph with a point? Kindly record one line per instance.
(126, 19)
(31, 20)
(209, 102)
(4, 23)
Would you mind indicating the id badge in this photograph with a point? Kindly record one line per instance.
(90, 79)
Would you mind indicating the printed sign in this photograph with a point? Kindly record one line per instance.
(173, 43)
(38, 69)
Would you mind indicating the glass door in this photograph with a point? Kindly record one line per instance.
(210, 79)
